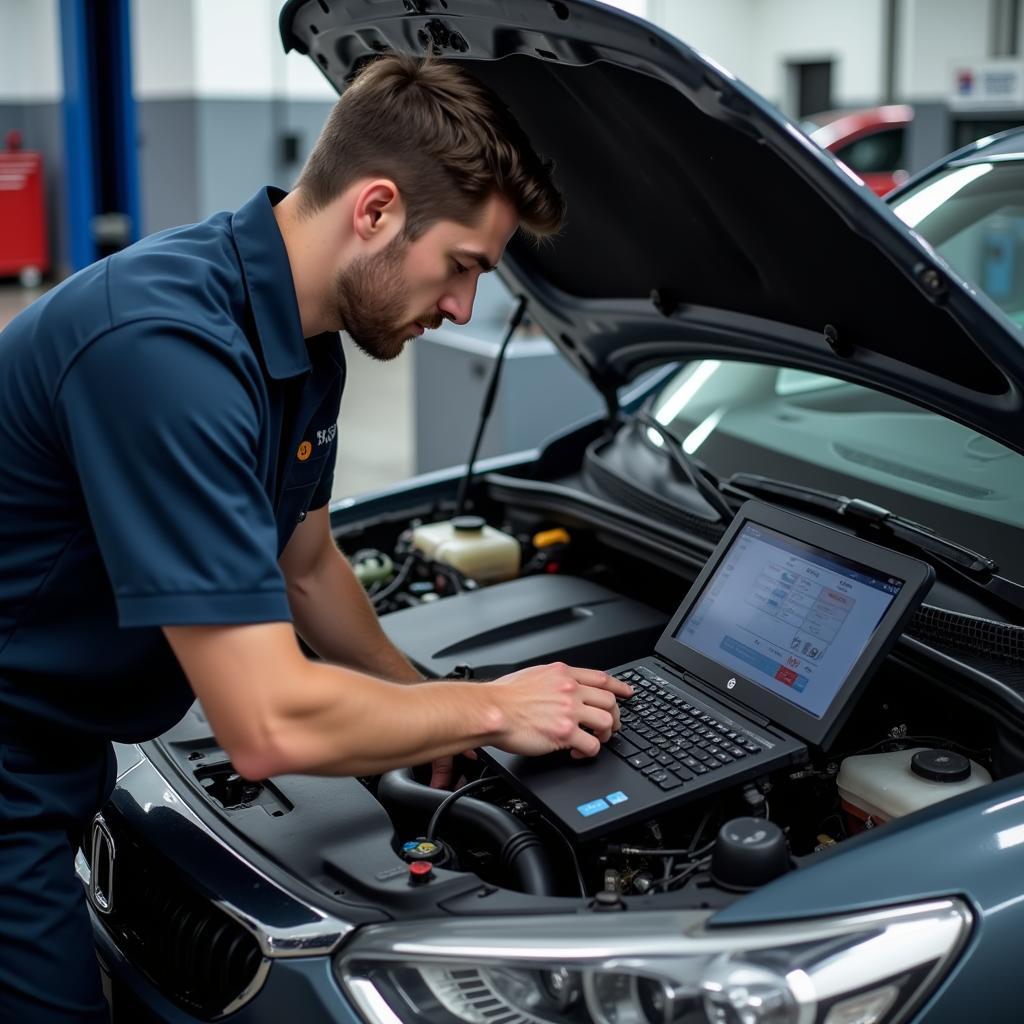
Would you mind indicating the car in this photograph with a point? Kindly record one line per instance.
(871, 141)
(967, 206)
(761, 327)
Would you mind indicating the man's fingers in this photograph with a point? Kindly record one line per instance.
(583, 744)
(619, 688)
(601, 680)
(597, 698)
(441, 773)
(589, 676)
(598, 720)
(604, 700)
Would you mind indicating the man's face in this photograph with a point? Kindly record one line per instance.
(392, 296)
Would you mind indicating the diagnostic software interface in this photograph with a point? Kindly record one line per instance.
(788, 616)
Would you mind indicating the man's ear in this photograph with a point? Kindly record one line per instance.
(378, 213)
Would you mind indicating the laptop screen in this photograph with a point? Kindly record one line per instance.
(789, 616)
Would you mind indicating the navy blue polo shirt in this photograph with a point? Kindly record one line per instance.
(164, 426)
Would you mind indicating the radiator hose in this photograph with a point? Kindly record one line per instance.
(520, 851)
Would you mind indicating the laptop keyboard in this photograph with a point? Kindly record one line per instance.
(669, 740)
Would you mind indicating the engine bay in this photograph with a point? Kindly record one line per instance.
(918, 731)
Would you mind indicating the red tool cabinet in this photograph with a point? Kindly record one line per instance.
(23, 246)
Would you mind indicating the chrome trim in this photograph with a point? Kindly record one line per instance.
(102, 901)
(370, 1002)
(247, 993)
(129, 756)
(320, 936)
(279, 943)
(82, 868)
(901, 938)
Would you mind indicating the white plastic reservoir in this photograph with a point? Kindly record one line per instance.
(886, 786)
(468, 544)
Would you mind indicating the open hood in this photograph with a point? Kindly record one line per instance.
(701, 221)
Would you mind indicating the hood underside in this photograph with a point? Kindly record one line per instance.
(701, 222)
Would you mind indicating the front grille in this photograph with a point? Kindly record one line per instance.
(194, 953)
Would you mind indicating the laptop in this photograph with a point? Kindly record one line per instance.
(763, 660)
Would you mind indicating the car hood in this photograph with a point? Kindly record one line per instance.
(701, 222)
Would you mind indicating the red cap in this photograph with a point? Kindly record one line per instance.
(420, 871)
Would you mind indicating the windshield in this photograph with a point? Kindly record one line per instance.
(973, 216)
(820, 432)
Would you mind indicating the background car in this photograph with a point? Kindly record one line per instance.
(732, 344)
(969, 208)
(870, 141)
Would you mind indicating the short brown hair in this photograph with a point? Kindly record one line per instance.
(444, 138)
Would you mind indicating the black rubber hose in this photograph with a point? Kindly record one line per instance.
(520, 850)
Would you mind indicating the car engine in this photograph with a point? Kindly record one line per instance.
(914, 738)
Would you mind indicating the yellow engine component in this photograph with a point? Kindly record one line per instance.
(546, 538)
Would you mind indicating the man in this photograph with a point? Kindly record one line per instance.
(164, 476)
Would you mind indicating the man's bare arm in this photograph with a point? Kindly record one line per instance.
(332, 612)
(275, 712)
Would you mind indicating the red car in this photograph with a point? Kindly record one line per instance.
(871, 142)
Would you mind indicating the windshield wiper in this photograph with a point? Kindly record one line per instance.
(704, 481)
(979, 570)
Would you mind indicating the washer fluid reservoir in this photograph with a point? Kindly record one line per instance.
(875, 788)
(468, 544)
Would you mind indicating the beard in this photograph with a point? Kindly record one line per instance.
(370, 294)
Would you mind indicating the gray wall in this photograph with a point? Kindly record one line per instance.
(198, 156)
(42, 129)
(168, 163)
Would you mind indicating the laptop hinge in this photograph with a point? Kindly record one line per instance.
(698, 684)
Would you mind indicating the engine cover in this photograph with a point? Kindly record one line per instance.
(529, 621)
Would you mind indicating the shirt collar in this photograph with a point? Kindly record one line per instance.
(268, 281)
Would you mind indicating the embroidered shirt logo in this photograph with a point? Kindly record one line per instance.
(304, 452)
(326, 436)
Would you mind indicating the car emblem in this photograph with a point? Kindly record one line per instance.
(731, 684)
(101, 880)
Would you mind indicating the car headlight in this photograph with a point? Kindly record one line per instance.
(653, 967)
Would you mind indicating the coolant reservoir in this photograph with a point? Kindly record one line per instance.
(885, 786)
(468, 544)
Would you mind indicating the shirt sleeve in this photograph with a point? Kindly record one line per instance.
(324, 487)
(163, 428)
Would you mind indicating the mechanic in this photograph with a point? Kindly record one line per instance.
(167, 443)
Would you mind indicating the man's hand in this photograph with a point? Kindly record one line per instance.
(546, 708)
(442, 770)
(550, 707)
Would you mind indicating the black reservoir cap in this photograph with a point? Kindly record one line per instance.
(940, 766)
(748, 852)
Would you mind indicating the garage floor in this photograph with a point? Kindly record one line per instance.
(375, 443)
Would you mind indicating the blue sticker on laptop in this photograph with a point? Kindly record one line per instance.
(618, 797)
(594, 807)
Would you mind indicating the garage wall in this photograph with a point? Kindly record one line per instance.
(804, 31)
(933, 36)
(216, 97)
(31, 90)
(719, 30)
(757, 39)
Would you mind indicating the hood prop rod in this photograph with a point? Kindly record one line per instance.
(488, 404)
